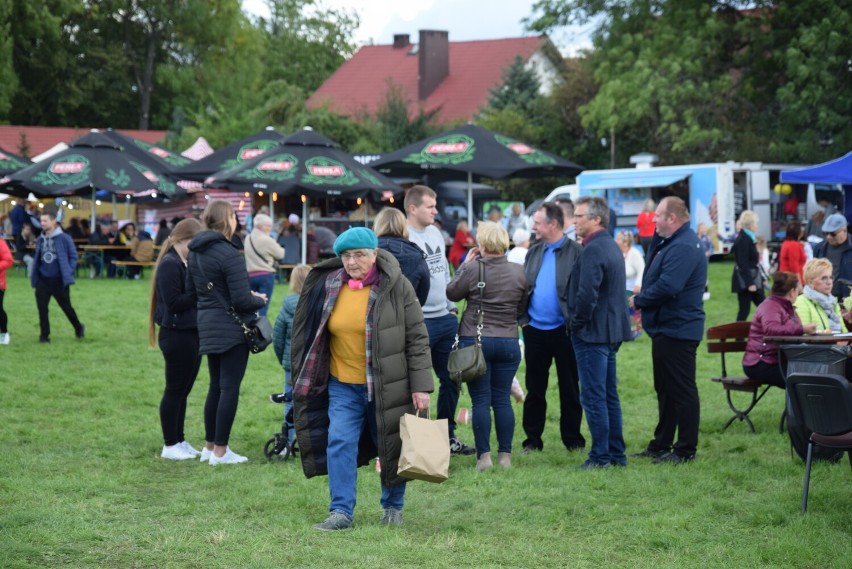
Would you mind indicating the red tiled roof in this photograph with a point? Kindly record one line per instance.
(41, 138)
(361, 83)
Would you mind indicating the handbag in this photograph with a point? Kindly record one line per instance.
(468, 363)
(257, 330)
(425, 454)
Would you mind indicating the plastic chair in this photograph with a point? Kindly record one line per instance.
(824, 403)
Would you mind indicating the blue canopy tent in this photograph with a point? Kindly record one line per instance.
(837, 171)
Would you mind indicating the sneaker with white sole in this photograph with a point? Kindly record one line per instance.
(335, 521)
(176, 452)
(458, 447)
(230, 457)
(4, 339)
(206, 453)
(189, 448)
(391, 517)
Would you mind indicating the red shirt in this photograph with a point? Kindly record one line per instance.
(792, 258)
(645, 224)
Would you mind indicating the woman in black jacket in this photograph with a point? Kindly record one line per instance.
(173, 310)
(391, 228)
(746, 279)
(217, 272)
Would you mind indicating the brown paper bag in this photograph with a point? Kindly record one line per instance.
(425, 451)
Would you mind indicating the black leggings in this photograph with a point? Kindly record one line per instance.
(226, 375)
(4, 320)
(180, 351)
(745, 299)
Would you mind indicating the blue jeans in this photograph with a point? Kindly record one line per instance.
(493, 391)
(599, 397)
(264, 284)
(348, 411)
(442, 332)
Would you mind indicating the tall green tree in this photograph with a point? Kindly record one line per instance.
(519, 89)
(8, 78)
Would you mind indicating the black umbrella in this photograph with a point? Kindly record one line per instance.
(230, 156)
(11, 162)
(474, 151)
(153, 155)
(309, 164)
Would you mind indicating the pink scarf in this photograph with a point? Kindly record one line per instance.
(371, 279)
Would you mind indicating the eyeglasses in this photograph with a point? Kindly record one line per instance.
(833, 233)
(357, 256)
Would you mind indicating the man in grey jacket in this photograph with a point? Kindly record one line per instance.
(548, 267)
(439, 314)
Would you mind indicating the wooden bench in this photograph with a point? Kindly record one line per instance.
(122, 266)
(728, 339)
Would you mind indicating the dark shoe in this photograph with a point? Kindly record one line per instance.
(529, 449)
(279, 398)
(335, 521)
(618, 464)
(672, 458)
(81, 333)
(589, 465)
(458, 447)
(648, 453)
(575, 447)
(44, 340)
(391, 517)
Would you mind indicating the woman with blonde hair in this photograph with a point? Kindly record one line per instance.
(217, 270)
(747, 279)
(173, 309)
(504, 299)
(817, 305)
(392, 230)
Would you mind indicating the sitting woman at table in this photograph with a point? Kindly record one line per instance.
(774, 317)
(816, 304)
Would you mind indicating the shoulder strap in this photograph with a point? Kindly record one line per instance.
(481, 286)
(256, 252)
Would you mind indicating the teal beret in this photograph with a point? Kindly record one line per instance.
(355, 238)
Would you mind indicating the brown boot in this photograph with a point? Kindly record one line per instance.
(483, 463)
(504, 459)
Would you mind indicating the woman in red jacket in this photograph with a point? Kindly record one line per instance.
(646, 225)
(5, 263)
(792, 257)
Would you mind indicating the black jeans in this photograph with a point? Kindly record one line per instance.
(226, 374)
(541, 348)
(677, 395)
(45, 289)
(770, 373)
(4, 320)
(745, 298)
(180, 352)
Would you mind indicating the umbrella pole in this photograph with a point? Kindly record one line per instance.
(272, 210)
(305, 230)
(470, 226)
(127, 210)
(93, 223)
(114, 209)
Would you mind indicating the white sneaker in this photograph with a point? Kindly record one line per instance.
(230, 457)
(4, 339)
(189, 448)
(176, 452)
(206, 453)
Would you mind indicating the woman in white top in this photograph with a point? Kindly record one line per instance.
(634, 264)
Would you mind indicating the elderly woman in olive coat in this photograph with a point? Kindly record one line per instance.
(360, 360)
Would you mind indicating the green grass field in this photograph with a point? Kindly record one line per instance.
(82, 484)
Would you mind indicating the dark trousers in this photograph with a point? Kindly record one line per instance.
(4, 320)
(745, 298)
(542, 347)
(442, 331)
(677, 395)
(770, 373)
(226, 374)
(180, 352)
(54, 288)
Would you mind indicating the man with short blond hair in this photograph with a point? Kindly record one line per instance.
(439, 314)
(673, 316)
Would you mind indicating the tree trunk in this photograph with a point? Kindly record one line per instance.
(146, 85)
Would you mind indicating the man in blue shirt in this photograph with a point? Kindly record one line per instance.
(53, 274)
(547, 267)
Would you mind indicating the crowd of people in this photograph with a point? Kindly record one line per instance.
(361, 335)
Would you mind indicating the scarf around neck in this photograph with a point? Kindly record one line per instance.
(827, 302)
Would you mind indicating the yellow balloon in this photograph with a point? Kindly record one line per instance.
(786, 189)
(777, 188)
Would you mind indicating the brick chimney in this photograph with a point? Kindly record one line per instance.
(400, 41)
(434, 62)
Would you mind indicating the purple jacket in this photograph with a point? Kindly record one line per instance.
(774, 317)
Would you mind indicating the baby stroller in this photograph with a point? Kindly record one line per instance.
(282, 445)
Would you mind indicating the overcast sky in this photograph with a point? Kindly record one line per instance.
(464, 20)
